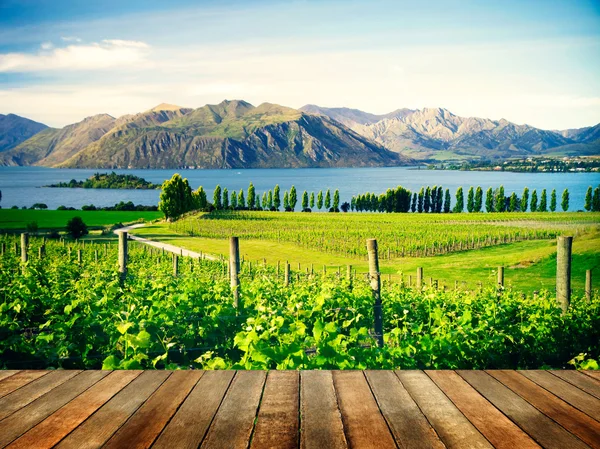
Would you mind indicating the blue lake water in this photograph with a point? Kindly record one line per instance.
(22, 186)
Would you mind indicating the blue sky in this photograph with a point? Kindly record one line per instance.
(535, 62)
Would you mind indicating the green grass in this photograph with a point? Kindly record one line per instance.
(17, 219)
(529, 265)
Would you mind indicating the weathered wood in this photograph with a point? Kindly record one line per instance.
(565, 391)
(593, 374)
(580, 380)
(575, 421)
(234, 420)
(374, 275)
(321, 425)
(419, 277)
(563, 271)
(501, 276)
(79, 256)
(54, 428)
(175, 265)
(364, 425)
(234, 269)
(541, 428)
(98, 429)
(24, 419)
(20, 379)
(24, 246)
(588, 285)
(188, 427)
(497, 428)
(123, 254)
(286, 275)
(406, 421)
(148, 421)
(30, 392)
(277, 425)
(7, 373)
(450, 424)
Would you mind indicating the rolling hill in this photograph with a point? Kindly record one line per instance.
(15, 129)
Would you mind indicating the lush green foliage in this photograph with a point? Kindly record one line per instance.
(58, 313)
(109, 181)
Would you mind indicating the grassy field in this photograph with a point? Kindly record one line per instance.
(16, 219)
(529, 265)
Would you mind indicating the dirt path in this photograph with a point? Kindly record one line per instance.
(171, 248)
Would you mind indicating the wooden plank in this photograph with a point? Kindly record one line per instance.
(149, 420)
(321, 424)
(278, 424)
(21, 421)
(537, 425)
(593, 374)
(54, 428)
(364, 424)
(98, 429)
(190, 424)
(496, 427)
(453, 428)
(234, 420)
(408, 424)
(580, 380)
(30, 392)
(579, 399)
(7, 373)
(578, 423)
(18, 380)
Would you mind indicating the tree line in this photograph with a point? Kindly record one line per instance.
(177, 197)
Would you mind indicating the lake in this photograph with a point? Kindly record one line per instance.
(22, 186)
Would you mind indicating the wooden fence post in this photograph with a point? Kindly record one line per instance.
(175, 265)
(376, 289)
(24, 246)
(286, 278)
(588, 285)
(349, 275)
(563, 271)
(96, 255)
(234, 269)
(501, 276)
(79, 256)
(419, 277)
(41, 251)
(123, 255)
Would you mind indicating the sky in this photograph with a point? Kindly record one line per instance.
(533, 62)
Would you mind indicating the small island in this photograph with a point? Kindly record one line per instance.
(109, 181)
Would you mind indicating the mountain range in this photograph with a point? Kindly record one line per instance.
(236, 134)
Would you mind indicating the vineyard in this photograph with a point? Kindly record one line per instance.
(68, 306)
(398, 235)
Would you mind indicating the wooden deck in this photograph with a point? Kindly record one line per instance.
(310, 409)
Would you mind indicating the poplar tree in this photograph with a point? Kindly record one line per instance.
(478, 199)
(251, 197)
(328, 200)
(440, 199)
(312, 200)
(336, 200)
(304, 200)
(427, 200)
(447, 200)
(413, 206)
(320, 200)
(225, 198)
(433, 200)
(270, 200)
(234, 202)
(471, 200)
(588, 199)
(596, 200)
(553, 200)
(500, 200)
(534, 201)
(201, 199)
(293, 198)
(286, 201)
(543, 202)
(460, 202)
(489, 200)
(514, 203)
(565, 200)
(420, 200)
(257, 205)
(217, 198)
(525, 200)
(265, 201)
(277, 197)
(241, 199)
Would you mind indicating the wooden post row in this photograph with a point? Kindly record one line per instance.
(376, 289)
(123, 254)
(24, 246)
(588, 285)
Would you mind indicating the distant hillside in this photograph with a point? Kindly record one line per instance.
(15, 129)
(235, 134)
(435, 133)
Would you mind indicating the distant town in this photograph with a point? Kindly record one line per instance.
(565, 164)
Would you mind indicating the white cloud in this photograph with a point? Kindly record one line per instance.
(71, 39)
(109, 53)
(46, 46)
